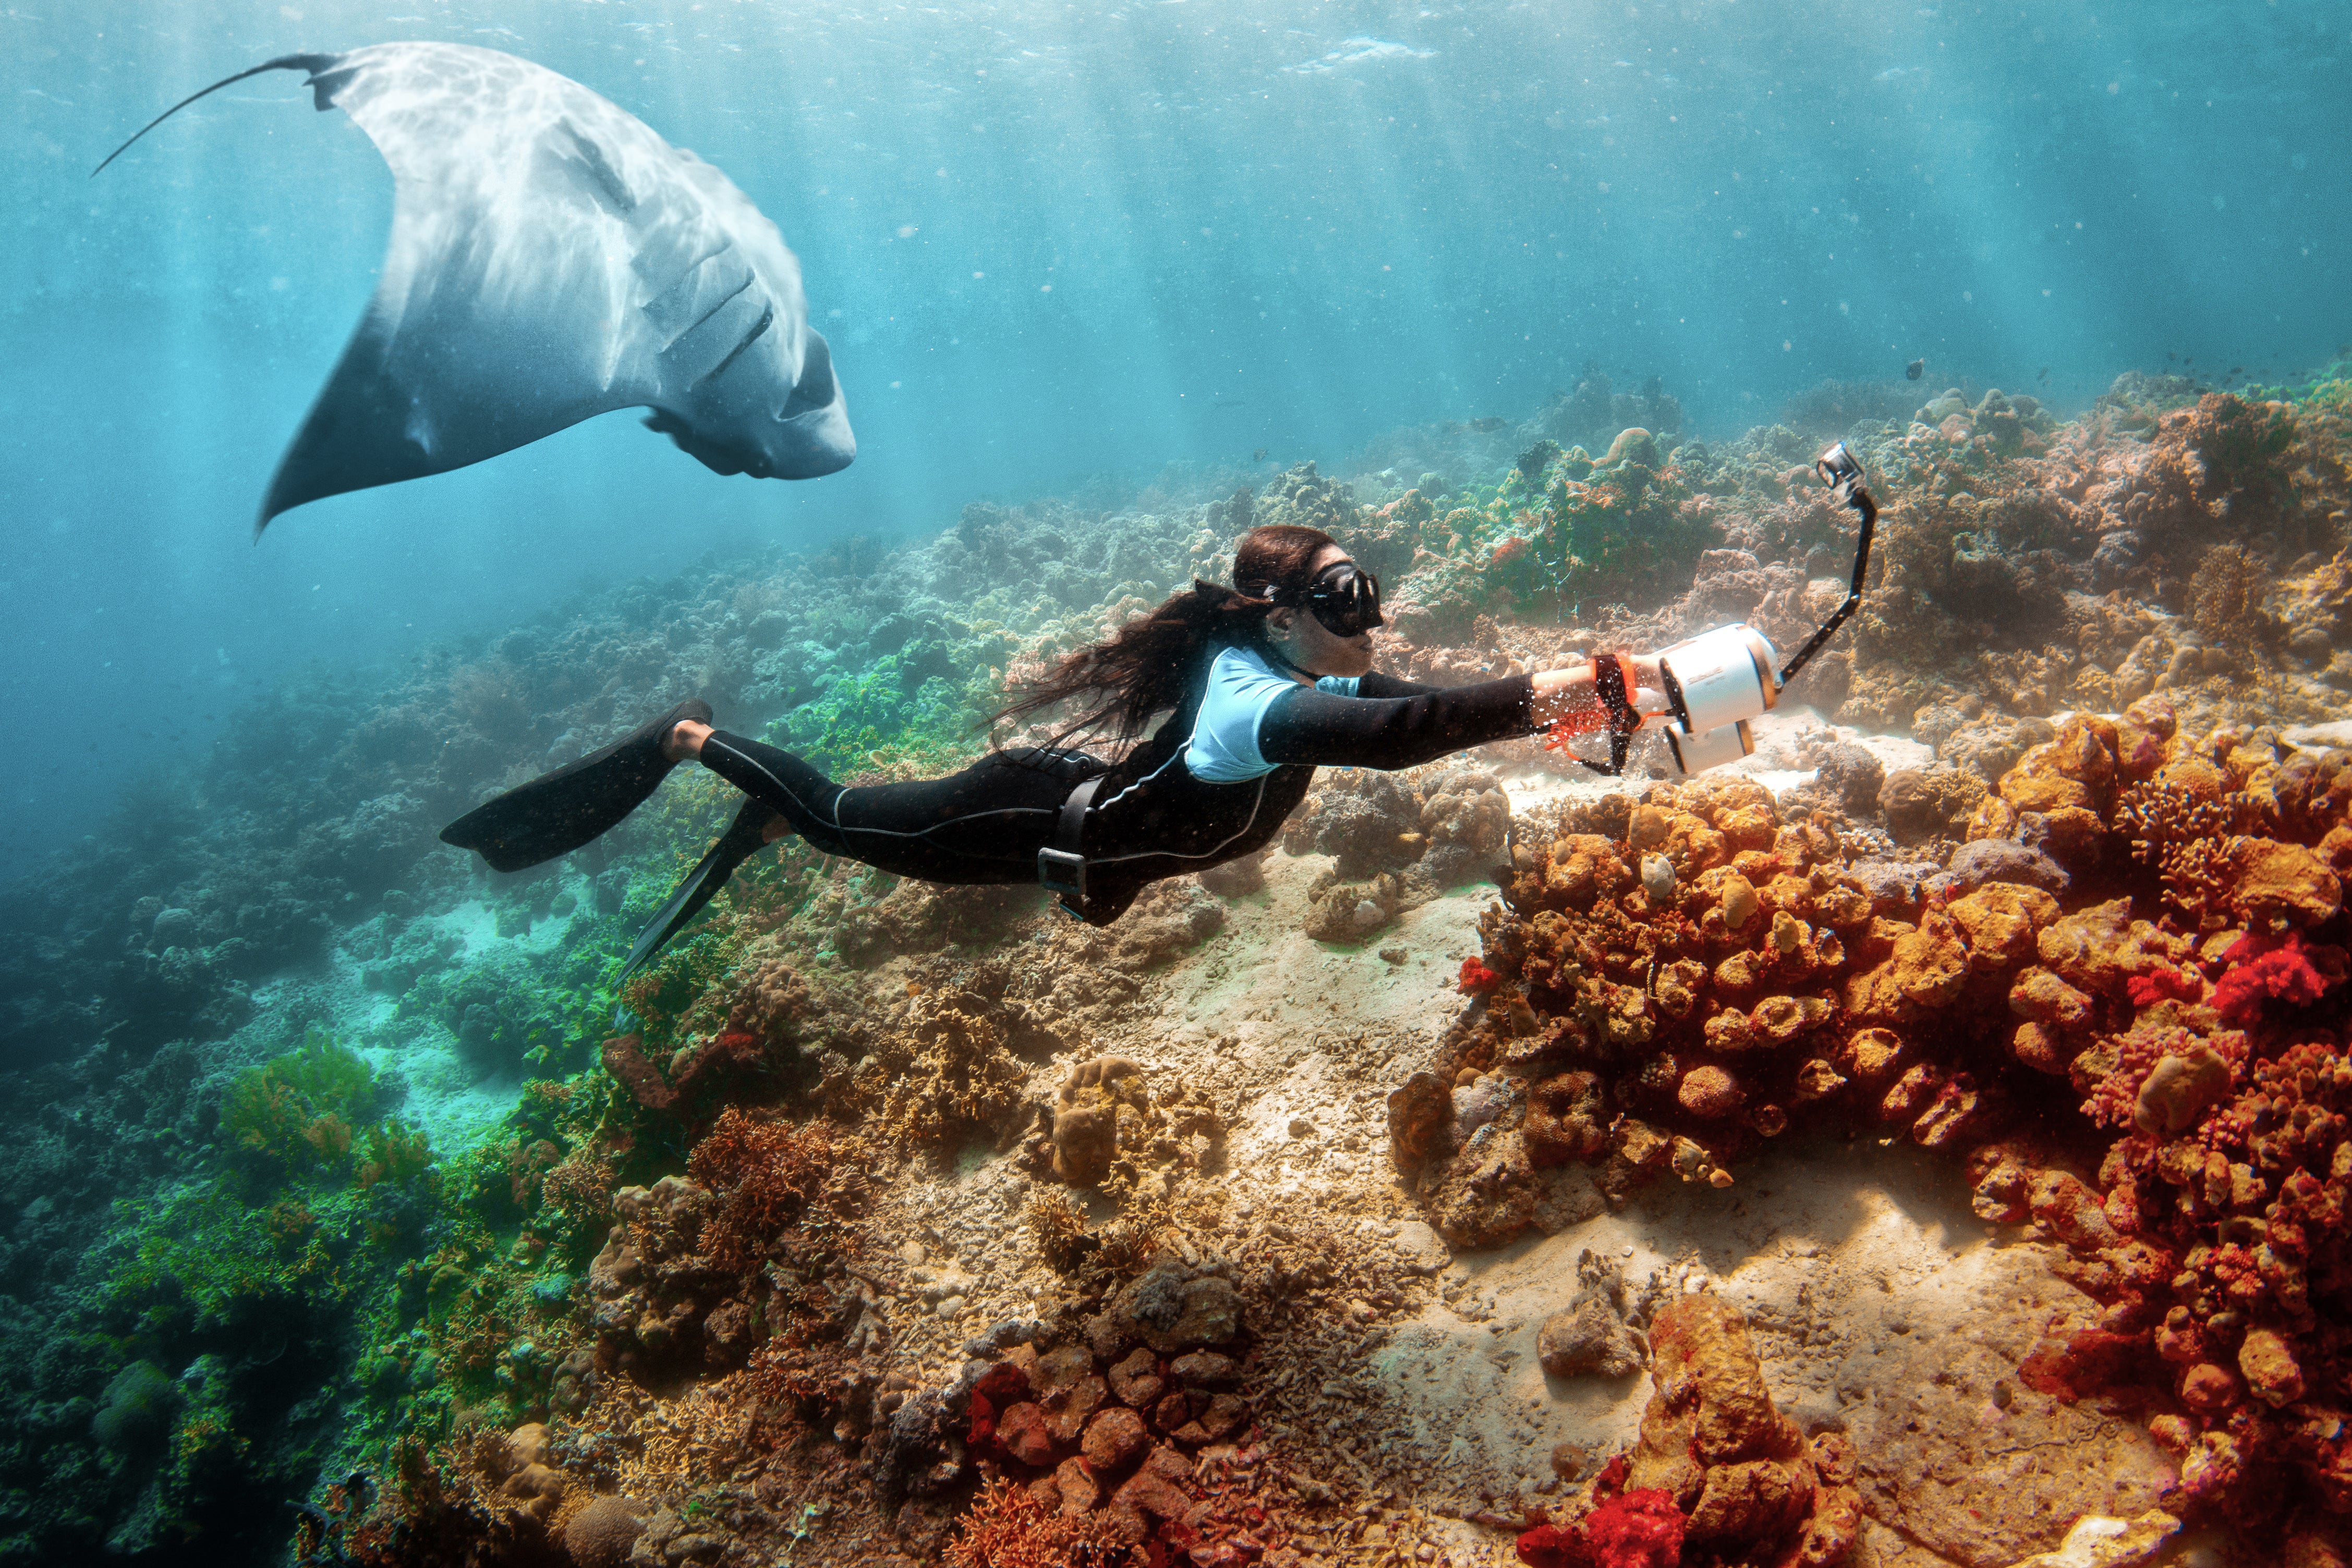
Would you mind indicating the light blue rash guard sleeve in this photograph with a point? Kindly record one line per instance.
(1395, 724)
(1242, 687)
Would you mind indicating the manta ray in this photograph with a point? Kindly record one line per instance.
(551, 258)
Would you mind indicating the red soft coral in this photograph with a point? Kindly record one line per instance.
(1640, 1529)
(1554, 1546)
(2165, 984)
(2259, 968)
(1478, 978)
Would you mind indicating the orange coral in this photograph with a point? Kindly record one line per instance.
(1007, 1527)
(2186, 1000)
(764, 1176)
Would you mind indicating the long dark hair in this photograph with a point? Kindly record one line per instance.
(1148, 665)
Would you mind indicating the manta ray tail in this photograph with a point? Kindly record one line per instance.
(311, 63)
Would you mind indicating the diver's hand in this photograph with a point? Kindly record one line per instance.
(1568, 690)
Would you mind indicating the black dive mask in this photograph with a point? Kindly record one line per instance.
(1344, 598)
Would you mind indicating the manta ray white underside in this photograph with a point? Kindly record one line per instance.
(552, 259)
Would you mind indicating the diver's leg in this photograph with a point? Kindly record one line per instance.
(981, 825)
(561, 811)
(742, 839)
(795, 791)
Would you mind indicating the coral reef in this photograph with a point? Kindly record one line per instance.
(1717, 1469)
(2176, 980)
(483, 1277)
(1396, 841)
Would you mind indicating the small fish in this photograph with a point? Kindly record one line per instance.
(2045, 375)
(1915, 370)
(1259, 456)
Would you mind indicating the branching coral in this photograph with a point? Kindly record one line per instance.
(946, 1071)
(1007, 1527)
(766, 1177)
(297, 1112)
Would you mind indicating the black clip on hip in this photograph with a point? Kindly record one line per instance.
(1062, 864)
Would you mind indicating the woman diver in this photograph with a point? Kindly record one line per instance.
(1263, 683)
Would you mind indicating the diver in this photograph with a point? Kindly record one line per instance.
(1263, 683)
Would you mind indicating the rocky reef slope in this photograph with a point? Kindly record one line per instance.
(1949, 1124)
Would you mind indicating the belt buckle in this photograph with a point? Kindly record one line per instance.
(1062, 872)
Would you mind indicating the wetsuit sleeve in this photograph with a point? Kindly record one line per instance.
(1371, 686)
(1377, 685)
(1372, 731)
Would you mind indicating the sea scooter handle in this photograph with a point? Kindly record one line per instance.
(1719, 680)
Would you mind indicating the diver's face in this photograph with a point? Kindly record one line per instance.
(1313, 646)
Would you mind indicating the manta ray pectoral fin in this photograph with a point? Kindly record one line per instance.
(551, 258)
(817, 416)
(314, 64)
(362, 432)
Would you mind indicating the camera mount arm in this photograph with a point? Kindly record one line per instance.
(1842, 475)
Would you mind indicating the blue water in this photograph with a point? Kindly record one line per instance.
(1057, 243)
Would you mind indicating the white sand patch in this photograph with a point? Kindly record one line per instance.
(1841, 1239)
(1779, 736)
(2316, 737)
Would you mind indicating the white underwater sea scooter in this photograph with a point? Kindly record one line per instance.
(1719, 680)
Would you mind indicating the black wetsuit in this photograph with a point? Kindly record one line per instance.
(1151, 818)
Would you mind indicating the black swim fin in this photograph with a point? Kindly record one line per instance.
(743, 839)
(559, 811)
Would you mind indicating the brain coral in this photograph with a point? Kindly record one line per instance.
(600, 1535)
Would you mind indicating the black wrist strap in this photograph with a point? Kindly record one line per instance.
(1617, 702)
